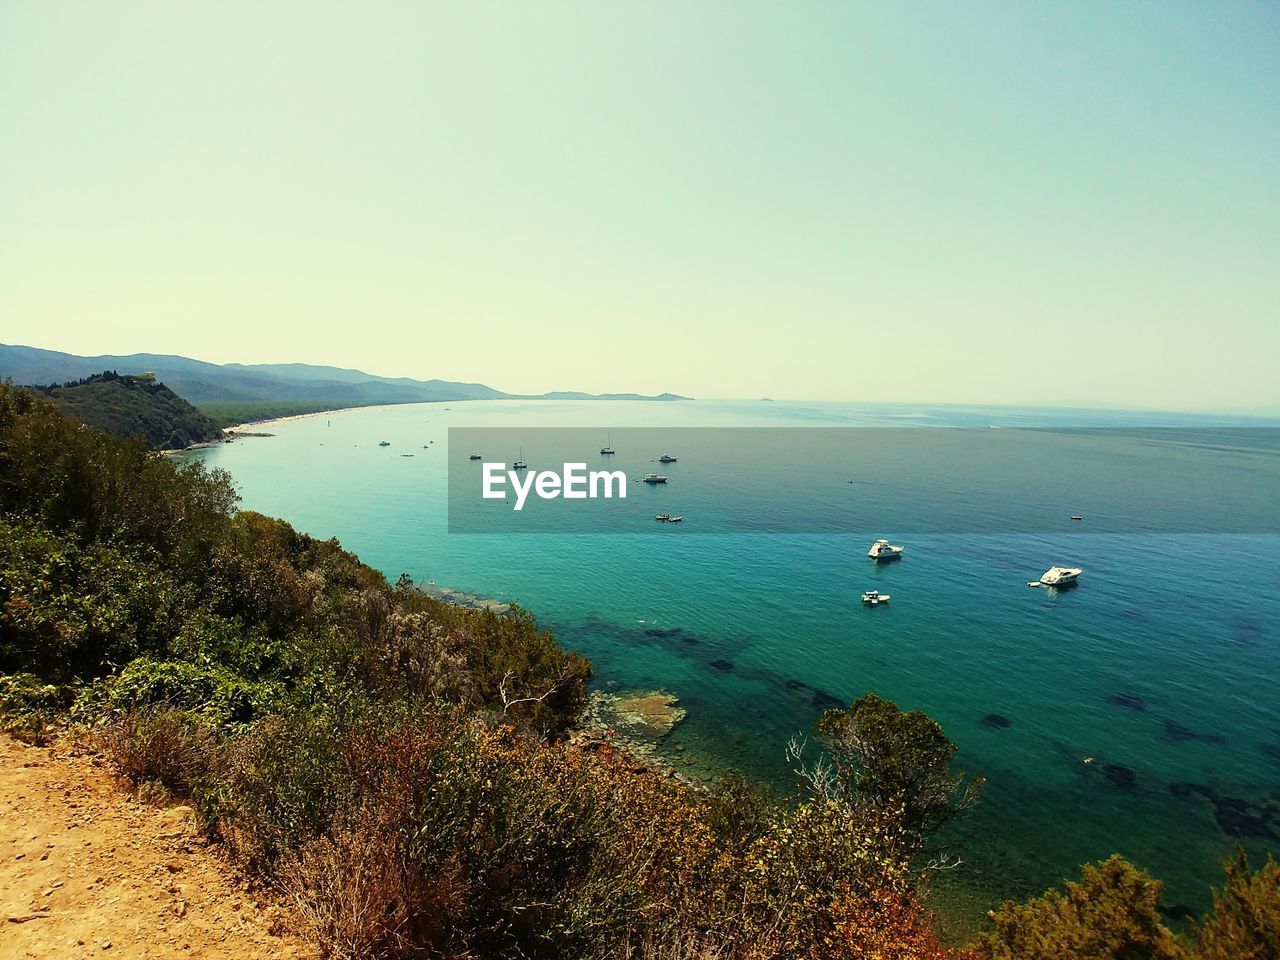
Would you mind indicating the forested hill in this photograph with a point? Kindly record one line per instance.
(134, 406)
(236, 393)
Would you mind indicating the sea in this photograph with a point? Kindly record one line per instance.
(1137, 713)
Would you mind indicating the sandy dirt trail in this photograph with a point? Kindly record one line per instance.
(85, 870)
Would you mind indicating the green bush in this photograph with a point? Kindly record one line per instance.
(222, 699)
(29, 706)
(1245, 921)
(1111, 913)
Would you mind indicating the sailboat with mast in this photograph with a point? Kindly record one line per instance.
(607, 449)
(520, 464)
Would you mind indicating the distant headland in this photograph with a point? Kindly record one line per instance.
(237, 393)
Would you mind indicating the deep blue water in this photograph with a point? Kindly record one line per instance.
(1162, 663)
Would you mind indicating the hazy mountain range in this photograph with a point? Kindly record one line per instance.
(236, 390)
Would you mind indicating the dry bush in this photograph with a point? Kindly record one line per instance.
(357, 894)
(159, 745)
(349, 891)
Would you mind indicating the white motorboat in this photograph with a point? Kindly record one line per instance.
(874, 597)
(653, 478)
(884, 550)
(666, 458)
(1060, 576)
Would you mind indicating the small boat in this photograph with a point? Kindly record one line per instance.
(607, 449)
(884, 550)
(666, 458)
(384, 443)
(874, 597)
(653, 478)
(1076, 516)
(663, 517)
(520, 464)
(475, 456)
(676, 519)
(1060, 576)
(406, 454)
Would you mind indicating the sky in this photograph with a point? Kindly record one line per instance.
(917, 202)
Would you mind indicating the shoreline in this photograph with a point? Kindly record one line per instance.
(242, 428)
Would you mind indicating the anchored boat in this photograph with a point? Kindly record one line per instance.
(874, 598)
(884, 550)
(1060, 576)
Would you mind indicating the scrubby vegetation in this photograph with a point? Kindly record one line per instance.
(131, 406)
(401, 767)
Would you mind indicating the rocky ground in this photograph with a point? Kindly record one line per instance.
(86, 870)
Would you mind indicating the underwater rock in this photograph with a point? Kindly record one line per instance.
(722, 664)
(1241, 819)
(796, 685)
(825, 701)
(1184, 791)
(1129, 701)
(1270, 750)
(996, 722)
(1235, 816)
(461, 599)
(690, 640)
(648, 713)
(664, 634)
(1175, 732)
(1120, 776)
(1248, 631)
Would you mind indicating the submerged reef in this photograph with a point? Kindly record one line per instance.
(1129, 701)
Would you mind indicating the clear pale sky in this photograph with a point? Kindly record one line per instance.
(977, 202)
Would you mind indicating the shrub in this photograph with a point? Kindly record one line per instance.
(29, 707)
(894, 763)
(224, 700)
(161, 745)
(349, 890)
(1111, 913)
(1245, 921)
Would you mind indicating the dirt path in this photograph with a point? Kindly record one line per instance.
(87, 871)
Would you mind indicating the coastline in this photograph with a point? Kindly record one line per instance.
(632, 722)
(242, 428)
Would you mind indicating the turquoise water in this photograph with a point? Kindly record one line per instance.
(1161, 666)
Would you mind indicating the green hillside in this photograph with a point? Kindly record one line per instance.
(131, 406)
(237, 393)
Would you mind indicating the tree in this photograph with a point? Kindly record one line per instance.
(1112, 913)
(898, 764)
